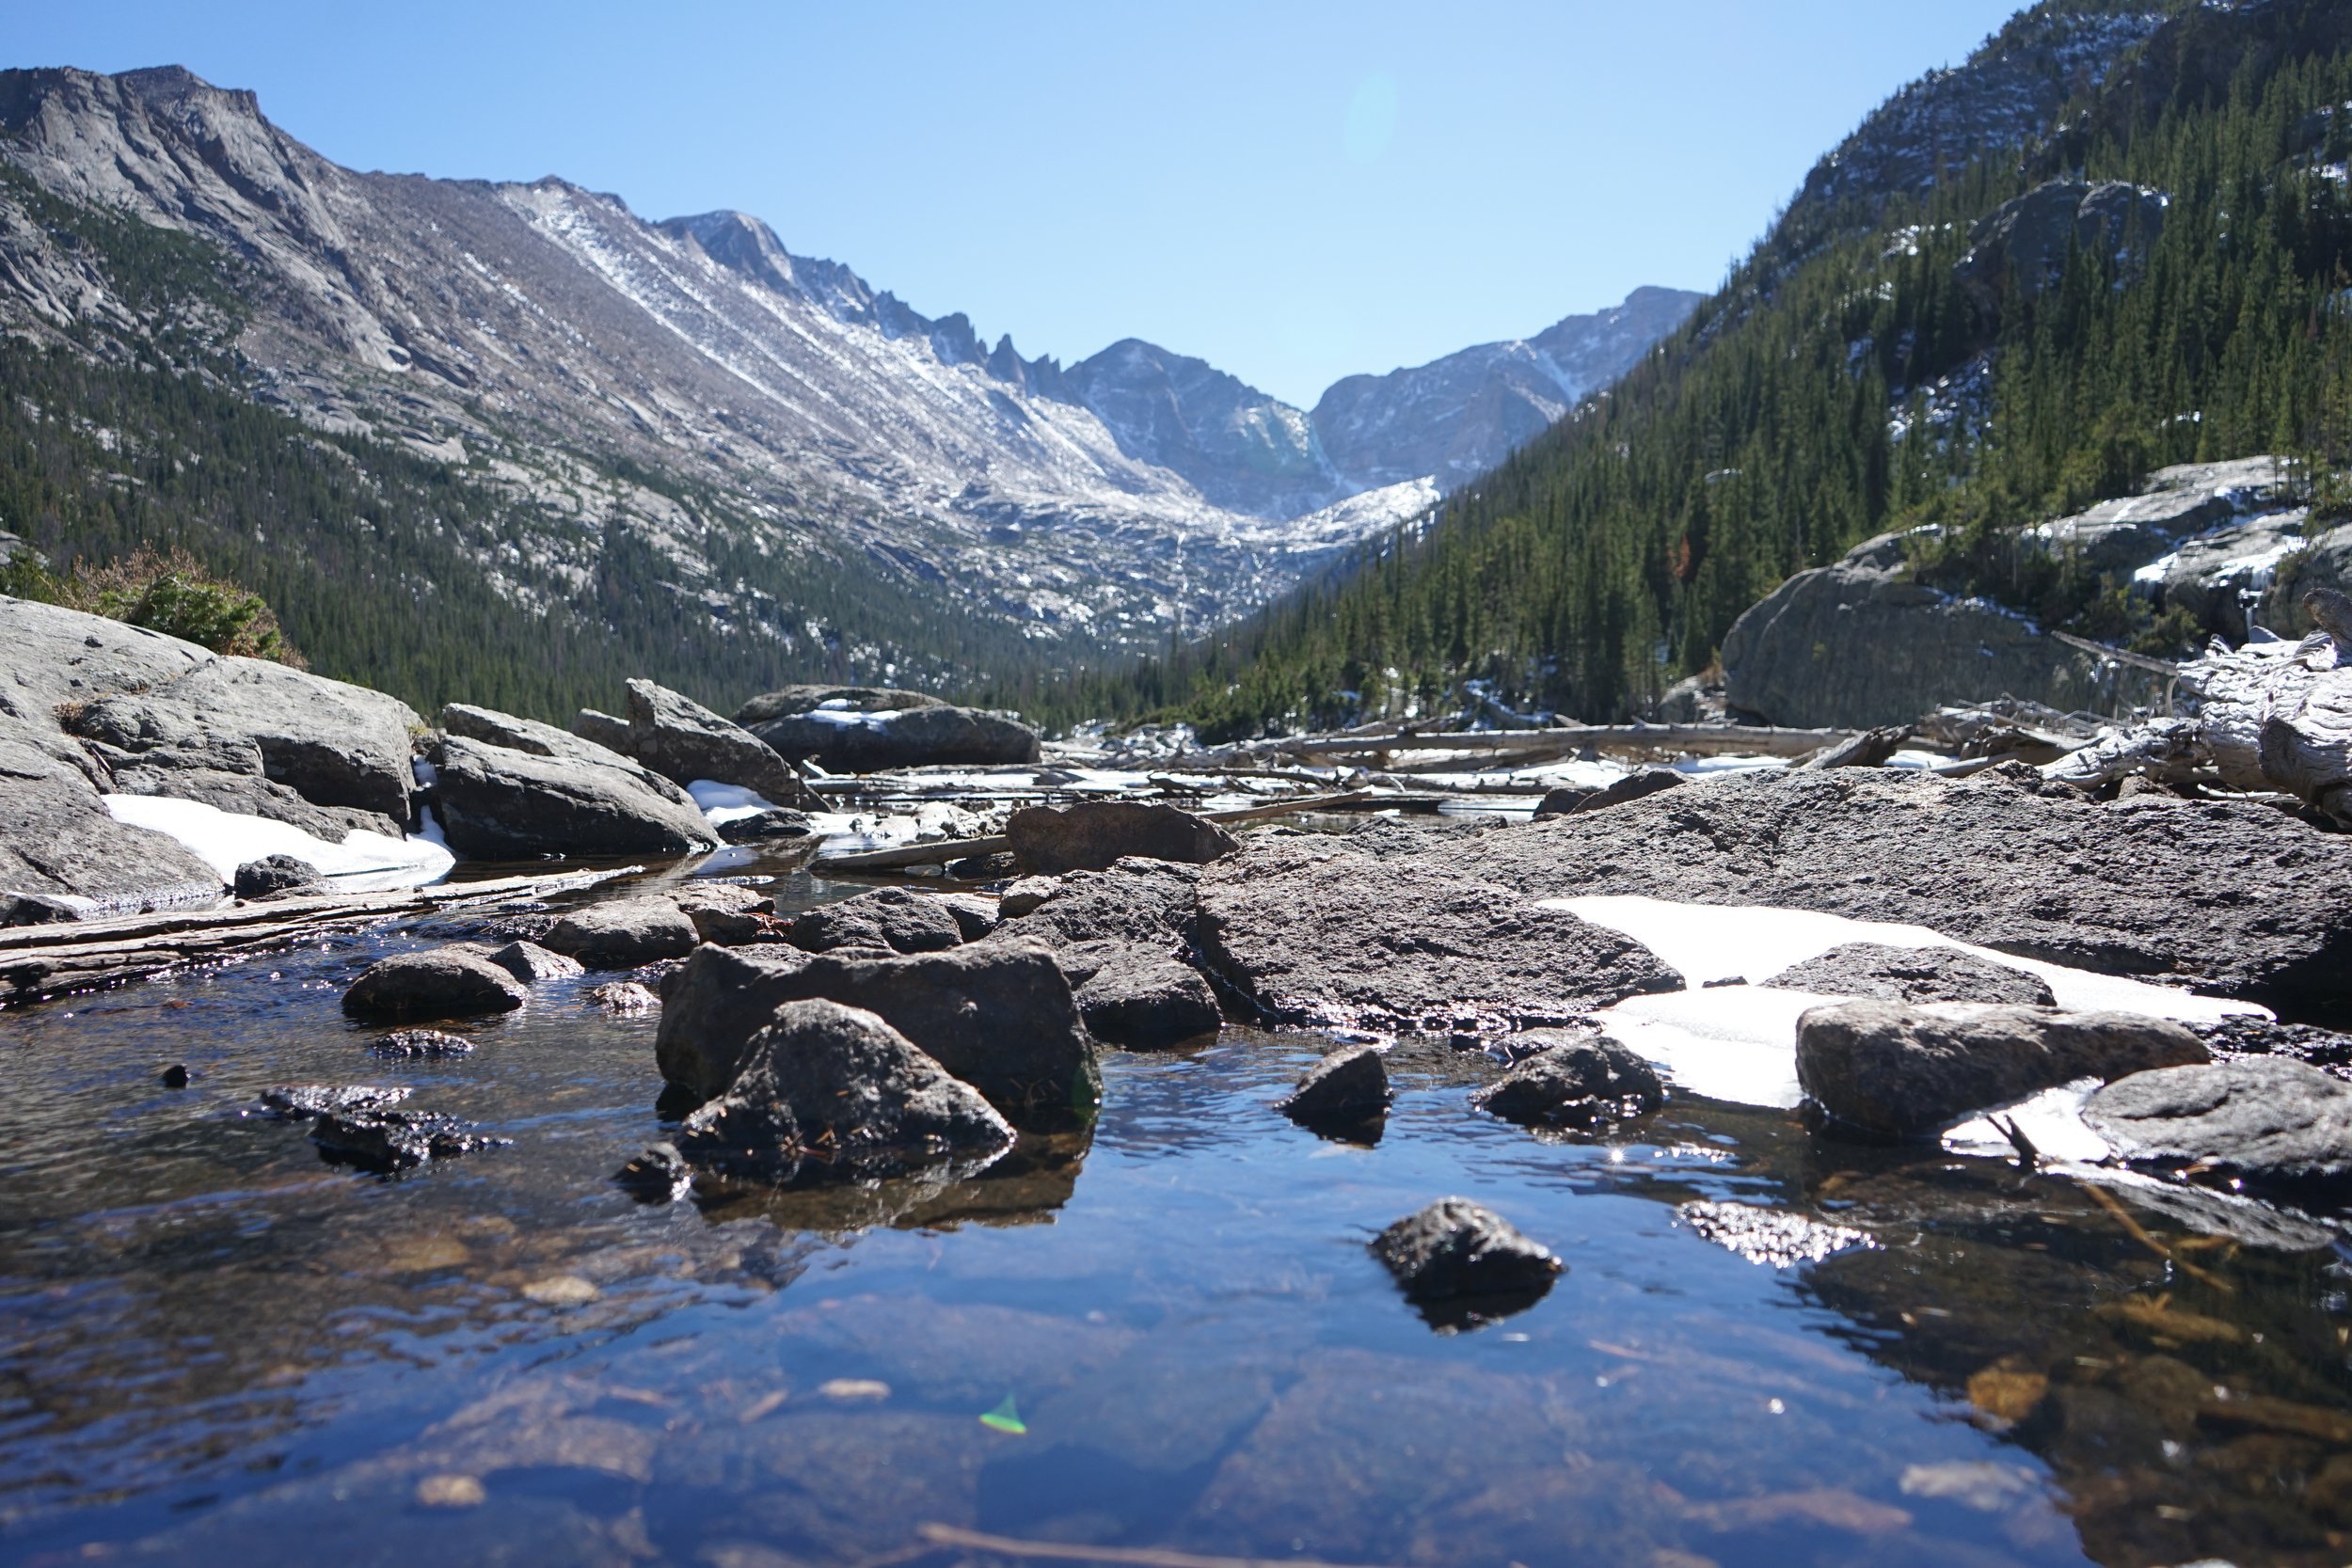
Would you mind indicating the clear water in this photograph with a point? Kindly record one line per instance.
(215, 1348)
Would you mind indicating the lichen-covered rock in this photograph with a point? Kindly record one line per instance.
(1094, 835)
(1346, 1089)
(1457, 1249)
(1577, 1083)
(446, 982)
(1890, 1071)
(2263, 1120)
(1870, 969)
(623, 933)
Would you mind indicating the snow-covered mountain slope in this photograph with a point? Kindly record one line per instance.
(606, 371)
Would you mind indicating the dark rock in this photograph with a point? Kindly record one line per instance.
(1147, 1003)
(845, 741)
(1314, 934)
(1889, 1070)
(998, 1015)
(975, 916)
(498, 802)
(1865, 969)
(412, 1045)
(623, 933)
(791, 699)
(684, 742)
(59, 844)
(659, 1174)
(825, 1085)
(34, 909)
(2028, 239)
(1025, 895)
(1578, 1083)
(983, 868)
(625, 996)
(1457, 1251)
(768, 827)
(1093, 836)
(894, 918)
(1139, 910)
(727, 913)
(447, 982)
(275, 877)
(389, 1141)
(1346, 1089)
(2247, 1035)
(303, 1101)
(1633, 786)
(2263, 1120)
(175, 1076)
(2230, 896)
(1561, 799)
(531, 963)
(1871, 748)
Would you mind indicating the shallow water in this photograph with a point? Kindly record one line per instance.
(216, 1348)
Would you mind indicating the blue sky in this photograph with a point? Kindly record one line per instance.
(1295, 190)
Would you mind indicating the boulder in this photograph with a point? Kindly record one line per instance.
(727, 913)
(852, 740)
(497, 802)
(684, 742)
(446, 982)
(60, 657)
(1562, 799)
(974, 915)
(835, 1089)
(998, 1015)
(1147, 1003)
(531, 963)
(2233, 897)
(894, 918)
(623, 933)
(1863, 969)
(1638, 786)
(277, 876)
(62, 852)
(1093, 836)
(390, 1141)
(766, 827)
(1346, 1089)
(1577, 1083)
(2261, 1119)
(791, 700)
(1889, 1070)
(1310, 934)
(1457, 1249)
(1871, 748)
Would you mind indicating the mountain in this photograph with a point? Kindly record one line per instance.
(2115, 239)
(675, 442)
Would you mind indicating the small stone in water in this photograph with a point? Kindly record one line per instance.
(562, 1290)
(625, 996)
(851, 1390)
(176, 1076)
(451, 1492)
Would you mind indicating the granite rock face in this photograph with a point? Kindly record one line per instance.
(61, 848)
(498, 802)
(684, 742)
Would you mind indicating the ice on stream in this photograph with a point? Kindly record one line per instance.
(363, 862)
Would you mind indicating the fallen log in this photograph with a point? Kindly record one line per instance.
(940, 851)
(2267, 717)
(38, 961)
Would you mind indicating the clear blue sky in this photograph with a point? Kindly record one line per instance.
(1293, 189)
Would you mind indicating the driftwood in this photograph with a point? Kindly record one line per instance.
(2268, 717)
(940, 851)
(1871, 748)
(39, 961)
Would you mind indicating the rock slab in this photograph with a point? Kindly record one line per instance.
(1094, 835)
(1879, 972)
(499, 802)
(2263, 1118)
(684, 742)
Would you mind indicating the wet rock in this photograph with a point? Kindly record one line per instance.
(411, 1045)
(1863, 969)
(1890, 1071)
(623, 933)
(998, 1014)
(1577, 1083)
(278, 877)
(531, 963)
(1457, 1251)
(1633, 786)
(625, 996)
(852, 740)
(175, 1076)
(496, 803)
(59, 844)
(1025, 895)
(1346, 1089)
(389, 1141)
(1093, 836)
(727, 913)
(2235, 898)
(304, 1101)
(2264, 1119)
(894, 918)
(1148, 1003)
(444, 983)
(1310, 934)
(766, 827)
(824, 1086)
(659, 1174)
(684, 742)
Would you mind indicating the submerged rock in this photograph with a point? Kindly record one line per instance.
(623, 933)
(1890, 1071)
(388, 1141)
(2264, 1119)
(410, 1045)
(825, 1085)
(684, 742)
(1346, 1090)
(499, 802)
(1094, 835)
(447, 982)
(277, 876)
(1577, 1083)
(894, 918)
(302, 1102)
(1863, 969)
(1460, 1254)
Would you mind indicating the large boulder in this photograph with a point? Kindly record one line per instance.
(789, 699)
(898, 919)
(446, 982)
(1890, 1071)
(1094, 835)
(848, 739)
(834, 1089)
(1311, 933)
(497, 802)
(2261, 1119)
(60, 657)
(999, 1016)
(61, 848)
(2235, 898)
(684, 742)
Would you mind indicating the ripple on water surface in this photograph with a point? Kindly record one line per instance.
(215, 1348)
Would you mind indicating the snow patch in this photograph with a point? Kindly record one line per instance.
(363, 862)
